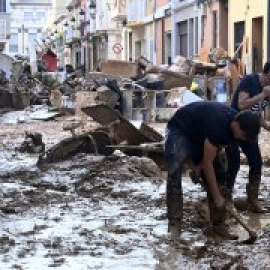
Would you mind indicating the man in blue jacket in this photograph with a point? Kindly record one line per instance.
(196, 132)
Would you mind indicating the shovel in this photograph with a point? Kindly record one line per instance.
(252, 234)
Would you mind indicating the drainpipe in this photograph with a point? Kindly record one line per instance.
(173, 39)
(155, 31)
(268, 29)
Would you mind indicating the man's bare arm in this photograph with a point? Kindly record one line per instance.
(210, 152)
(245, 102)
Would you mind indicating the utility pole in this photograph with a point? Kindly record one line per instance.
(22, 28)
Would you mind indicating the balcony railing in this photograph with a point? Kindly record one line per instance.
(31, 2)
(136, 11)
(118, 11)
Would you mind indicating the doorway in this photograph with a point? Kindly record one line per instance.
(168, 48)
(257, 44)
(138, 49)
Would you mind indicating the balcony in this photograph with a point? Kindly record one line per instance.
(136, 12)
(4, 27)
(31, 2)
(118, 11)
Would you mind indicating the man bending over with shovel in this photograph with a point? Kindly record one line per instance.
(196, 133)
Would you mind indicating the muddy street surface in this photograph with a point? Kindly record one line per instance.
(94, 212)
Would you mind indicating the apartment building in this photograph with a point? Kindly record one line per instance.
(28, 18)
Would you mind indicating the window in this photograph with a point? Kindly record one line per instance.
(40, 15)
(13, 43)
(183, 38)
(32, 39)
(28, 16)
(3, 6)
(2, 29)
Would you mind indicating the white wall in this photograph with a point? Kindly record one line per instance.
(32, 24)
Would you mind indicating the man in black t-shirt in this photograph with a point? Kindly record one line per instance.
(196, 132)
(253, 94)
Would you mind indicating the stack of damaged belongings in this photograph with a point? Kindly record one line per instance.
(157, 78)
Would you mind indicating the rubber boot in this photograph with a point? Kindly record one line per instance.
(174, 203)
(252, 189)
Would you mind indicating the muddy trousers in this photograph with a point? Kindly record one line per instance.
(174, 200)
(253, 155)
(254, 158)
(178, 149)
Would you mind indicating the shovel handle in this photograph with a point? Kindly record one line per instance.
(239, 219)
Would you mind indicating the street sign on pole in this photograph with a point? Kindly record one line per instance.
(117, 48)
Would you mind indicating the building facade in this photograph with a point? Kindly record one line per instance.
(28, 18)
(4, 24)
(215, 24)
(249, 19)
(187, 26)
(150, 30)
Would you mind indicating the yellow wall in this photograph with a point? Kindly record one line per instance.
(238, 12)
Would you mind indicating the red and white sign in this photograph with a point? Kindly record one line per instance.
(117, 48)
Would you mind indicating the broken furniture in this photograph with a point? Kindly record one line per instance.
(115, 132)
(144, 141)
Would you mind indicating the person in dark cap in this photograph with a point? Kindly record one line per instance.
(197, 132)
(252, 94)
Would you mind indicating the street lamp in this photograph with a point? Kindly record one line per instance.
(66, 25)
(52, 36)
(82, 13)
(73, 20)
(92, 8)
(22, 29)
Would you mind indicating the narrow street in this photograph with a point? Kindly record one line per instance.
(116, 117)
(95, 212)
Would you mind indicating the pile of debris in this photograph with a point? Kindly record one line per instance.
(19, 88)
